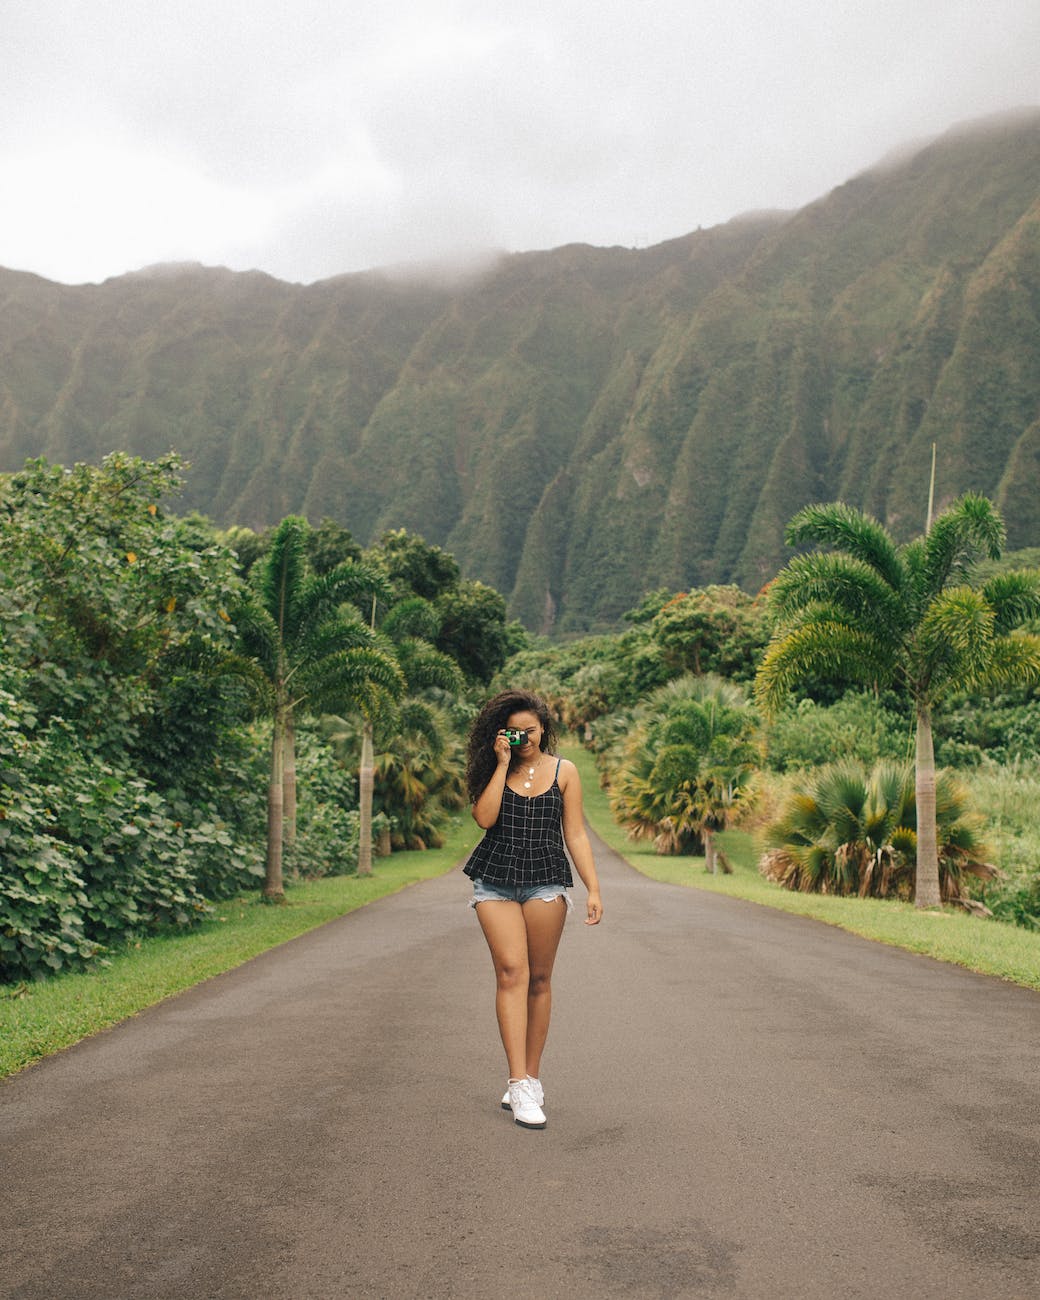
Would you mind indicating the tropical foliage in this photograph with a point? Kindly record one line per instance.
(684, 764)
(309, 652)
(874, 612)
(127, 781)
(853, 830)
(859, 725)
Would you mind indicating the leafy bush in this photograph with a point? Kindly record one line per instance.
(125, 801)
(1010, 794)
(1002, 729)
(91, 852)
(858, 726)
(328, 821)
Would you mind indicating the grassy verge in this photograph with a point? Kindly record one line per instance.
(951, 935)
(38, 1019)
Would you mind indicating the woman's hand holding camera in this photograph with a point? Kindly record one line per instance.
(502, 749)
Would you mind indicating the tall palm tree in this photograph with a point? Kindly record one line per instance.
(871, 611)
(312, 652)
(405, 634)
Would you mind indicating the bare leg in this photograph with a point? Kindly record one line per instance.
(506, 935)
(544, 922)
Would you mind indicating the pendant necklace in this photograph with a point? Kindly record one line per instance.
(529, 777)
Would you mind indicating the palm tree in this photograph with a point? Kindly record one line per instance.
(849, 831)
(878, 613)
(312, 652)
(686, 763)
(405, 635)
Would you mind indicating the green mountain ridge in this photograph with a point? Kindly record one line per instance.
(582, 424)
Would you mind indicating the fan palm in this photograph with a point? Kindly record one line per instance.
(850, 831)
(871, 611)
(312, 652)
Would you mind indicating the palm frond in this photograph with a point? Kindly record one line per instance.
(965, 532)
(701, 688)
(955, 635)
(412, 617)
(823, 650)
(332, 635)
(852, 531)
(842, 582)
(1014, 597)
(283, 572)
(1012, 661)
(324, 596)
(424, 665)
(347, 679)
(257, 633)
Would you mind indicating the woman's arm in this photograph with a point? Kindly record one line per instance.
(488, 803)
(577, 840)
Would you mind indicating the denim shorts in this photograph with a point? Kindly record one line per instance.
(484, 893)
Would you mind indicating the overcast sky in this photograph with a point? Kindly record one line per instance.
(313, 137)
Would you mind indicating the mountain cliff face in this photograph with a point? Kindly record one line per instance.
(580, 425)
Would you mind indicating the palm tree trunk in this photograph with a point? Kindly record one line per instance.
(710, 863)
(274, 889)
(926, 889)
(365, 784)
(289, 781)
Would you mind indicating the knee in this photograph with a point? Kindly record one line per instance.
(512, 977)
(538, 983)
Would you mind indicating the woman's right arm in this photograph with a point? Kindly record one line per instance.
(488, 804)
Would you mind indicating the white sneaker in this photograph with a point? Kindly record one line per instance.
(526, 1111)
(536, 1088)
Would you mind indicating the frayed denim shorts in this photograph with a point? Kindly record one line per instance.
(485, 893)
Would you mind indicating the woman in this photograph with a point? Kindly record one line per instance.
(529, 804)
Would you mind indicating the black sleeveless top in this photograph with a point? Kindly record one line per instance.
(525, 845)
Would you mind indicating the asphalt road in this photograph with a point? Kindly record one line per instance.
(741, 1104)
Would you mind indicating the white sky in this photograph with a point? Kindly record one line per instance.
(313, 137)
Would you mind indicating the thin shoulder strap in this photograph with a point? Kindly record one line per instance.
(557, 776)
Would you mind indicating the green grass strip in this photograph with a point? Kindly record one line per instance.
(952, 935)
(37, 1019)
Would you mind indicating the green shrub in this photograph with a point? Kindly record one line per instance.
(90, 852)
(858, 726)
(328, 821)
(1010, 795)
(1003, 729)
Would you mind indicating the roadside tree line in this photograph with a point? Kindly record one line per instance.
(182, 711)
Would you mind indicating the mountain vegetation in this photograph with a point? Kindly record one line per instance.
(581, 425)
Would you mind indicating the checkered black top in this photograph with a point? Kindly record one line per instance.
(525, 845)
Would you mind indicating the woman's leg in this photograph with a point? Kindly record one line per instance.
(506, 935)
(544, 924)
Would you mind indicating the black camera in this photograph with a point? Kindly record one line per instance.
(515, 737)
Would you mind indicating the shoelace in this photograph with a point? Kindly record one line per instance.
(521, 1093)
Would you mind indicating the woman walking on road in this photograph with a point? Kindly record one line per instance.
(528, 802)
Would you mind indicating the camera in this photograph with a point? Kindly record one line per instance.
(515, 737)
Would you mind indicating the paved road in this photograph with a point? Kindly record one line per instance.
(741, 1104)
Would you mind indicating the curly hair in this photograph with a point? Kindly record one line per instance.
(481, 759)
